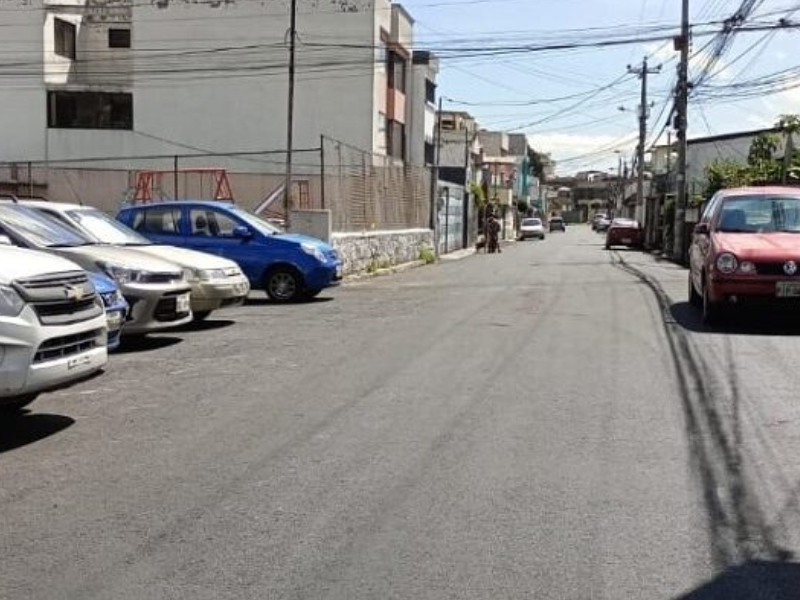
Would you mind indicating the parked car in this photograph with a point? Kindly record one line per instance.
(557, 224)
(531, 228)
(602, 224)
(156, 290)
(746, 248)
(216, 282)
(287, 266)
(597, 218)
(52, 325)
(115, 305)
(624, 232)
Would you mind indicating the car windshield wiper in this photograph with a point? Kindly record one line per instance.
(138, 244)
(71, 245)
(736, 230)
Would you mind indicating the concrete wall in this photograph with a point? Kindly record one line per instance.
(366, 251)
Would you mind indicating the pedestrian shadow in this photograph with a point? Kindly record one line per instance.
(23, 428)
(756, 580)
(739, 320)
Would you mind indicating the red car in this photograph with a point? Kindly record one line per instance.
(624, 232)
(746, 248)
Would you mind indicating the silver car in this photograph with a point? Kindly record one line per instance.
(216, 281)
(156, 290)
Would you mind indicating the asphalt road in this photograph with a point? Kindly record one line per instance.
(552, 422)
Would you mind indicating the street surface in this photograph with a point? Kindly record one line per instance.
(549, 423)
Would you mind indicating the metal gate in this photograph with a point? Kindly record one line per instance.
(451, 218)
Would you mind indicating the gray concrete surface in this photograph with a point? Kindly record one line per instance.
(546, 423)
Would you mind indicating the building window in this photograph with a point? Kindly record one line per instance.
(430, 91)
(430, 153)
(64, 34)
(396, 67)
(89, 110)
(396, 140)
(119, 38)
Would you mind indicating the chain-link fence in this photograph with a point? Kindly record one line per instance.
(367, 191)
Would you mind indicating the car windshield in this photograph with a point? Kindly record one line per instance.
(38, 229)
(102, 228)
(264, 227)
(760, 214)
(531, 222)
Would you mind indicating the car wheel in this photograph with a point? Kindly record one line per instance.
(283, 284)
(712, 311)
(695, 299)
(201, 315)
(17, 403)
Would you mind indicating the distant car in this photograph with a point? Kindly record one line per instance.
(216, 282)
(602, 224)
(287, 266)
(115, 305)
(557, 224)
(746, 248)
(597, 218)
(624, 232)
(531, 228)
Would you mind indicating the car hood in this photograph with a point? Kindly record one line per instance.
(103, 284)
(763, 246)
(19, 263)
(185, 257)
(298, 238)
(89, 256)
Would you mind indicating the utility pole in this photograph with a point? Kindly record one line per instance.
(437, 155)
(681, 110)
(287, 192)
(644, 113)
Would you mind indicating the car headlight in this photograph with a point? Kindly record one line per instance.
(112, 298)
(10, 302)
(191, 274)
(314, 251)
(209, 274)
(727, 263)
(122, 274)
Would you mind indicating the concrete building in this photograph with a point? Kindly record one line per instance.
(119, 78)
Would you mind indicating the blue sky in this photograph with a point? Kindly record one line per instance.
(584, 134)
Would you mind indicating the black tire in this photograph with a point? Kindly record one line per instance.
(283, 284)
(695, 299)
(607, 247)
(712, 311)
(17, 404)
(201, 315)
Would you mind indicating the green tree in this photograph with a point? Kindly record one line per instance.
(536, 163)
(790, 126)
(761, 158)
(726, 173)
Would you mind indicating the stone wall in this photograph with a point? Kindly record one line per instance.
(368, 251)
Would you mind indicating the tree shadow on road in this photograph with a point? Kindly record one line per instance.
(756, 580)
(206, 325)
(23, 428)
(740, 320)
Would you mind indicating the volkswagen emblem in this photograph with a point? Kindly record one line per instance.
(75, 292)
(790, 267)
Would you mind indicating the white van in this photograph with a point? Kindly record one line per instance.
(52, 325)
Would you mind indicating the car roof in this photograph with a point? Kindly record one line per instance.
(761, 191)
(174, 203)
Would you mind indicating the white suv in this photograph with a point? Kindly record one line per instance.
(52, 325)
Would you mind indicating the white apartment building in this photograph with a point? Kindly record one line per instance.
(84, 79)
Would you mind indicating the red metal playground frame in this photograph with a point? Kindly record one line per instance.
(149, 184)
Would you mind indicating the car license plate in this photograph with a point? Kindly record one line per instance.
(78, 361)
(787, 289)
(626, 240)
(182, 303)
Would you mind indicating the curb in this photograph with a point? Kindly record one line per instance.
(356, 277)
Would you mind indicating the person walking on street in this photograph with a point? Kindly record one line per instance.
(493, 227)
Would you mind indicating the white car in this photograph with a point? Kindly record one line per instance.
(531, 228)
(156, 291)
(52, 325)
(216, 282)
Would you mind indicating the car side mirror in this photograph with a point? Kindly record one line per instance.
(702, 229)
(5, 240)
(242, 232)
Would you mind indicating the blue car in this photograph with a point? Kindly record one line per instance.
(116, 307)
(287, 266)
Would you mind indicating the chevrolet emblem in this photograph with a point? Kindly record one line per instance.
(73, 292)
